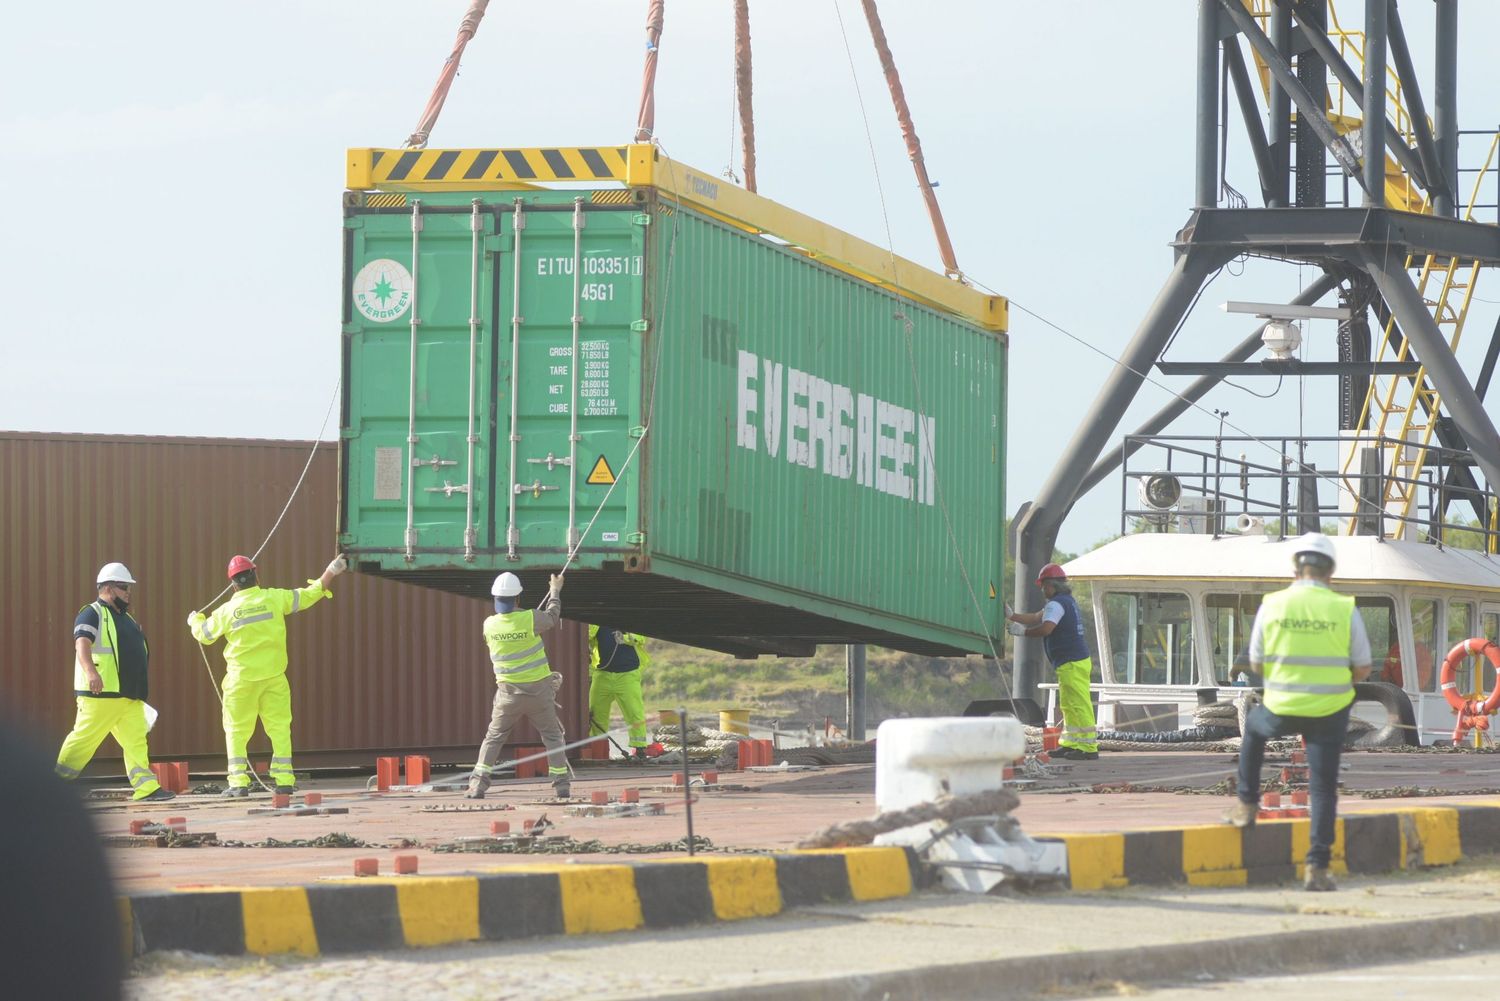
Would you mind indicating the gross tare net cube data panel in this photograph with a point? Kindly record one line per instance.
(745, 441)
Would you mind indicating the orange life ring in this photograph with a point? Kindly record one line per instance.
(1460, 704)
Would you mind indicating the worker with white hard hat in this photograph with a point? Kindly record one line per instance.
(1060, 626)
(110, 657)
(1310, 644)
(253, 625)
(525, 684)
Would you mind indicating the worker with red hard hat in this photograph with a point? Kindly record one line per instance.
(1060, 625)
(253, 625)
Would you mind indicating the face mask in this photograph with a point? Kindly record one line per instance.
(121, 603)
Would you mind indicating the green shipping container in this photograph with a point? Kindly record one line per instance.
(749, 450)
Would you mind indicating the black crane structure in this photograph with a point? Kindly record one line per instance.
(1359, 249)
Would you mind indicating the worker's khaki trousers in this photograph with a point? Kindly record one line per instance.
(536, 701)
(123, 719)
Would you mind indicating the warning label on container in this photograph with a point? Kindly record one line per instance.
(382, 290)
(601, 474)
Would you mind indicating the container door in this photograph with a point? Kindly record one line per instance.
(570, 275)
(419, 336)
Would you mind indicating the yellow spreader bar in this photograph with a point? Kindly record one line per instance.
(641, 165)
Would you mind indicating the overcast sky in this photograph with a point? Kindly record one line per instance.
(173, 171)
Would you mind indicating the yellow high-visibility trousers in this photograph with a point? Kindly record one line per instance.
(270, 701)
(122, 719)
(1077, 709)
(608, 687)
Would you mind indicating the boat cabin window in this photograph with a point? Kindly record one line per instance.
(1151, 637)
(1379, 614)
(1461, 627)
(1230, 617)
(1489, 623)
(1421, 676)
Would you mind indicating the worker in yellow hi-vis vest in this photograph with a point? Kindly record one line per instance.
(109, 683)
(253, 625)
(616, 660)
(1311, 646)
(525, 684)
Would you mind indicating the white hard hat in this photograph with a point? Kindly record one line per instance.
(507, 585)
(112, 573)
(1316, 543)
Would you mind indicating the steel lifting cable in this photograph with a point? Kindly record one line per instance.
(645, 119)
(466, 31)
(913, 144)
(742, 89)
(939, 496)
(296, 488)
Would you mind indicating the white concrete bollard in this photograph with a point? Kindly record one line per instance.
(923, 760)
(920, 760)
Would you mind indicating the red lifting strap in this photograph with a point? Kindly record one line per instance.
(466, 30)
(645, 122)
(742, 87)
(913, 144)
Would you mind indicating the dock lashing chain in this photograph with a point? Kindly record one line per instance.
(1473, 713)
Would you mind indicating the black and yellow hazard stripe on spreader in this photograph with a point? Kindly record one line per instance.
(479, 169)
(511, 902)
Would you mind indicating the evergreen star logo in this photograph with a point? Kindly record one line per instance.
(382, 290)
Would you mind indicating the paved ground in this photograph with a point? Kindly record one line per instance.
(774, 813)
(934, 945)
(1472, 976)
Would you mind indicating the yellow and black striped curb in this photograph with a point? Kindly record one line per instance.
(1273, 850)
(513, 902)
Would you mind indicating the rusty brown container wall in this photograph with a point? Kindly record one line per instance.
(383, 667)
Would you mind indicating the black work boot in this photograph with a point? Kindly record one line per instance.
(236, 792)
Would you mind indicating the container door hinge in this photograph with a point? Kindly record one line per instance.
(346, 538)
(348, 433)
(640, 326)
(641, 219)
(636, 538)
(638, 432)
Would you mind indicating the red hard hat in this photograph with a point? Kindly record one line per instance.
(1051, 572)
(240, 564)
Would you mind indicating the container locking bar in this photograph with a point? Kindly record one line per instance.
(411, 401)
(551, 461)
(536, 488)
(475, 225)
(573, 537)
(449, 489)
(518, 223)
(436, 462)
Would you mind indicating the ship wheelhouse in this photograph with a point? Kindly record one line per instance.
(1174, 601)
